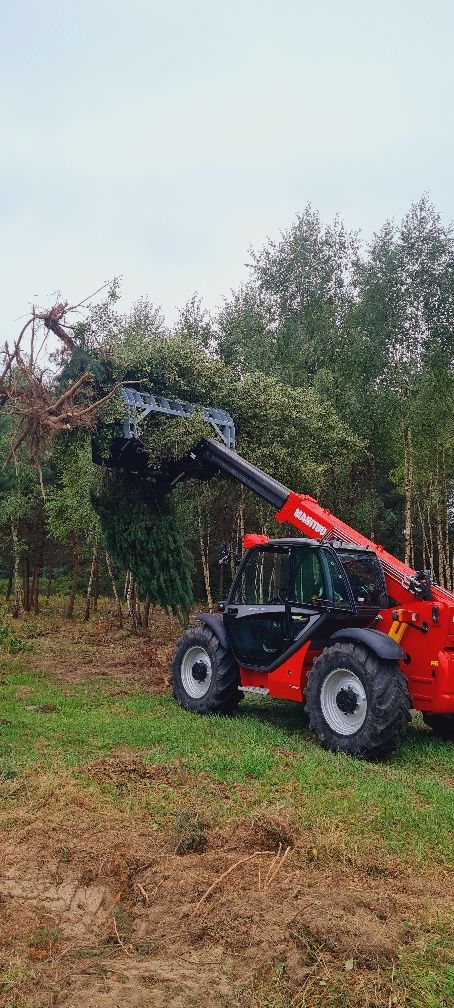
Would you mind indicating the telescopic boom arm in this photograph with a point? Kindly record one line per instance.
(299, 510)
(310, 518)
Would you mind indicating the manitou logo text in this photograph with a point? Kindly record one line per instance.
(315, 525)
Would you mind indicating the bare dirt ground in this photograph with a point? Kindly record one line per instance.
(75, 652)
(100, 910)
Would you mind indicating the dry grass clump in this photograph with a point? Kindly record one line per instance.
(273, 826)
(190, 831)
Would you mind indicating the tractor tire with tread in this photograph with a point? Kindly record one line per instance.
(382, 701)
(218, 692)
(442, 725)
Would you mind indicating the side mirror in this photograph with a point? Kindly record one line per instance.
(224, 554)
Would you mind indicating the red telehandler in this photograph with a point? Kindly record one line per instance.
(328, 618)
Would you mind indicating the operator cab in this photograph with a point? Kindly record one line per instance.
(292, 590)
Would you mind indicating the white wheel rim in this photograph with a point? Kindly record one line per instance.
(196, 672)
(343, 701)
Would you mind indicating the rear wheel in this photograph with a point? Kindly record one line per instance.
(442, 725)
(357, 703)
(205, 675)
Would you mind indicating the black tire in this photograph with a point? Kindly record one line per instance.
(442, 725)
(383, 702)
(222, 694)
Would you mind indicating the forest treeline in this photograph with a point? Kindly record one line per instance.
(336, 362)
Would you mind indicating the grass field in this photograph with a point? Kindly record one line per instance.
(152, 857)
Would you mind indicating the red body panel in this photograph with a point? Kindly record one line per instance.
(430, 669)
(287, 682)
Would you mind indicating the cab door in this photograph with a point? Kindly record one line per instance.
(255, 615)
(267, 613)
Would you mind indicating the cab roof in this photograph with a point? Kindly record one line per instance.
(334, 543)
(295, 541)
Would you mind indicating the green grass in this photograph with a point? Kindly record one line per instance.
(233, 766)
(429, 976)
(265, 754)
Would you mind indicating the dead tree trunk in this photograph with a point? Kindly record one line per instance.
(75, 577)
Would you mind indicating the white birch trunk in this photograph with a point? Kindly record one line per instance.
(17, 596)
(408, 492)
(204, 540)
(90, 581)
(114, 589)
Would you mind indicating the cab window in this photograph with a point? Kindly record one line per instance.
(308, 581)
(337, 591)
(366, 578)
(264, 580)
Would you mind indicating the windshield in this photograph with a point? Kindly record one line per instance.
(277, 575)
(366, 579)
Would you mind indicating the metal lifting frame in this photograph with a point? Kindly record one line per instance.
(141, 404)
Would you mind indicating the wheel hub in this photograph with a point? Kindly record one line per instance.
(343, 701)
(199, 671)
(347, 700)
(196, 672)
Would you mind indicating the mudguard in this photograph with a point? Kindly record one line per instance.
(375, 640)
(216, 624)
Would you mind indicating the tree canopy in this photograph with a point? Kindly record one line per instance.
(336, 363)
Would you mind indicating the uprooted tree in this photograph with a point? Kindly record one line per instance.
(53, 414)
(48, 414)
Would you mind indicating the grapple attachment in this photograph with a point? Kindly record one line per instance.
(208, 458)
(141, 404)
(127, 452)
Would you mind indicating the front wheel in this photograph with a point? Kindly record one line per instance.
(205, 675)
(357, 703)
(442, 725)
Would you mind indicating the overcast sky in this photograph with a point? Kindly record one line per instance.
(159, 140)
